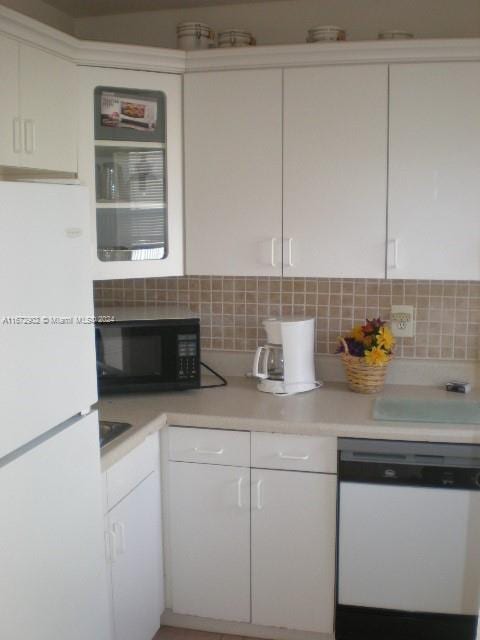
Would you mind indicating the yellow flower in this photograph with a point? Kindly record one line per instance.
(375, 356)
(357, 333)
(385, 339)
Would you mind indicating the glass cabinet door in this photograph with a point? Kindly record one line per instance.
(130, 174)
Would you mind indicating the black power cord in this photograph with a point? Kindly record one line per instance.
(212, 386)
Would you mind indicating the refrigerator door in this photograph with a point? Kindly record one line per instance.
(47, 357)
(52, 554)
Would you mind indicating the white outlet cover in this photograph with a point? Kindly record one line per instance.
(402, 321)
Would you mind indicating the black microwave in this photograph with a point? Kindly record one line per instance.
(146, 350)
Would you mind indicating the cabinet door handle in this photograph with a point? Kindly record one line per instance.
(112, 543)
(30, 136)
(393, 252)
(290, 250)
(207, 452)
(119, 533)
(258, 490)
(17, 135)
(286, 456)
(108, 547)
(272, 255)
(239, 493)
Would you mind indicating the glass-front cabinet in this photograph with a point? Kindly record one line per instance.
(131, 158)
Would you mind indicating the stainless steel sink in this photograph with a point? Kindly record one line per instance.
(109, 430)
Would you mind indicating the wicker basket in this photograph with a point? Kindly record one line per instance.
(363, 377)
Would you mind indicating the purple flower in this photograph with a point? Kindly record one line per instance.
(354, 348)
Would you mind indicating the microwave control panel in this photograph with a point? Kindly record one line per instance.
(187, 356)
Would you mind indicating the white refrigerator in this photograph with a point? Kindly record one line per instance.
(52, 560)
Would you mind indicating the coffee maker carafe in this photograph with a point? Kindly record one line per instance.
(285, 365)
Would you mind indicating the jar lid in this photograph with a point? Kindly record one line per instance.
(320, 28)
(395, 34)
(234, 32)
(193, 26)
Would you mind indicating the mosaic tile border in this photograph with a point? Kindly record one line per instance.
(231, 309)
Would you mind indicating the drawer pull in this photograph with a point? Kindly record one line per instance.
(286, 456)
(207, 452)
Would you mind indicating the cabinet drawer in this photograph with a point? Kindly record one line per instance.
(212, 446)
(299, 453)
(128, 472)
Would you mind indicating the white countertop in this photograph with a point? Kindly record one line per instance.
(330, 410)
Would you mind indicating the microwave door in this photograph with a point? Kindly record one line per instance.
(108, 345)
(143, 353)
(136, 353)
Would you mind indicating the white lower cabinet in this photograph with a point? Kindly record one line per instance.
(210, 540)
(252, 544)
(293, 549)
(134, 546)
(136, 567)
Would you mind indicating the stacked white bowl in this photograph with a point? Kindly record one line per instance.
(326, 33)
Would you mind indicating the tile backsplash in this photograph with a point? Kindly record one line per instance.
(231, 309)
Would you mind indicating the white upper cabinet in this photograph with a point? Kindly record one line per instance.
(130, 154)
(48, 100)
(39, 120)
(335, 171)
(10, 147)
(233, 172)
(434, 171)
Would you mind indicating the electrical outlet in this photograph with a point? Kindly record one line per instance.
(402, 321)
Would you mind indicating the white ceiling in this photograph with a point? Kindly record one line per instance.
(82, 8)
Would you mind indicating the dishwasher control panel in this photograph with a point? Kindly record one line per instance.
(410, 463)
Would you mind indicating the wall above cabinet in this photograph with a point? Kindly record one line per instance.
(152, 58)
(304, 55)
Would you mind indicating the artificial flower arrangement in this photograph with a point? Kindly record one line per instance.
(366, 351)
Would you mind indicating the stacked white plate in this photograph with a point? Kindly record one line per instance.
(195, 35)
(235, 38)
(326, 33)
